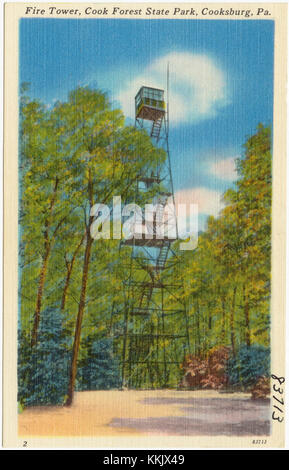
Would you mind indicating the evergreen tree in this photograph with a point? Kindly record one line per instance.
(45, 380)
(99, 370)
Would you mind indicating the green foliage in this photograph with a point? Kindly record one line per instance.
(99, 370)
(73, 155)
(20, 408)
(43, 372)
(23, 367)
(78, 153)
(227, 278)
(248, 365)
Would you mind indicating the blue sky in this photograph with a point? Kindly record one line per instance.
(221, 75)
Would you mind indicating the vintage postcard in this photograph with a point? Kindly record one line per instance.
(144, 238)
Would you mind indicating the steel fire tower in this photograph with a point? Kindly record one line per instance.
(154, 336)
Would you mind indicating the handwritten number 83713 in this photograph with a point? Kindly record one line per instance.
(278, 401)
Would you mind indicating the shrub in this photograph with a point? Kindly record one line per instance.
(43, 369)
(248, 365)
(99, 370)
(24, 367)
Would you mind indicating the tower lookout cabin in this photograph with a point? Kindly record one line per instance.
(150, 104)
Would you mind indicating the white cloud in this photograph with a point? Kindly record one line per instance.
(198, 86)
(224, 169)
(209, 201)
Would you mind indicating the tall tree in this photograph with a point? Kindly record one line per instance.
(109, 158)
(44, 180)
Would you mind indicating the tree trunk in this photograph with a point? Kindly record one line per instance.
(247, 318)
(81, 307)
(232, 322)
(210, 316)
(65, 289)
(223, 334)
(76, 343)
(39, 295)
(47, 249)
(198, 328)
(69, 268)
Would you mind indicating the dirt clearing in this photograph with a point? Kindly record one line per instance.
(150, 412)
